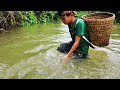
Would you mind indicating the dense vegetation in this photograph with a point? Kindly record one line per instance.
(9, 19)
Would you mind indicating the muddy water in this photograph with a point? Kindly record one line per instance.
(30, 53)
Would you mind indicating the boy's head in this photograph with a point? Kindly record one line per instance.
(66, 16)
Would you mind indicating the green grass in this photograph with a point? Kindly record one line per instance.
(116, 31)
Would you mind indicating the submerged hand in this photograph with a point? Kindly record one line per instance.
(66, 58)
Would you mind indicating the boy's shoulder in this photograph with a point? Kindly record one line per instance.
(79, 20)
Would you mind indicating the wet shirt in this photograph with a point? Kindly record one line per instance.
(79, 30)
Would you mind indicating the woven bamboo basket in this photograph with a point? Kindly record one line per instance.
(99, 26)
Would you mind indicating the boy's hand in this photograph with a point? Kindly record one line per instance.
(66, 58)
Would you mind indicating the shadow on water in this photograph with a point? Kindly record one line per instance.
(30, 53)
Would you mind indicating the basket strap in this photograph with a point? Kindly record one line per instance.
(93, 46)
(77, 22)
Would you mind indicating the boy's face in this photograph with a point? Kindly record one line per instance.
(65, 18)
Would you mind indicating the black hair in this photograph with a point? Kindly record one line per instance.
(60, 13)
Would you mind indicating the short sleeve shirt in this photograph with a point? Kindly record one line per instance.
(79, 30)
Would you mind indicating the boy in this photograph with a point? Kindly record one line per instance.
(78, 46)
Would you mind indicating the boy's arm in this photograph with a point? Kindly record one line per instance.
(75, 45)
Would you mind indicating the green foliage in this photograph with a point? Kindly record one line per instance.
(28, 18)
(15, 18)
(24, 18)
(81, 13)
(10, 19)
(46, 16)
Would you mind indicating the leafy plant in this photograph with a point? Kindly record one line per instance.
(28, 18)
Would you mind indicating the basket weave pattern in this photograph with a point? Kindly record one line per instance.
(99, 27)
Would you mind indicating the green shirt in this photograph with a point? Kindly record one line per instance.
(79, 30)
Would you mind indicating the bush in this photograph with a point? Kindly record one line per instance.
(46, 16)
(10, 19)
(28, 18)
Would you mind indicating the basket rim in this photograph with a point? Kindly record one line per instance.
(93, 19)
